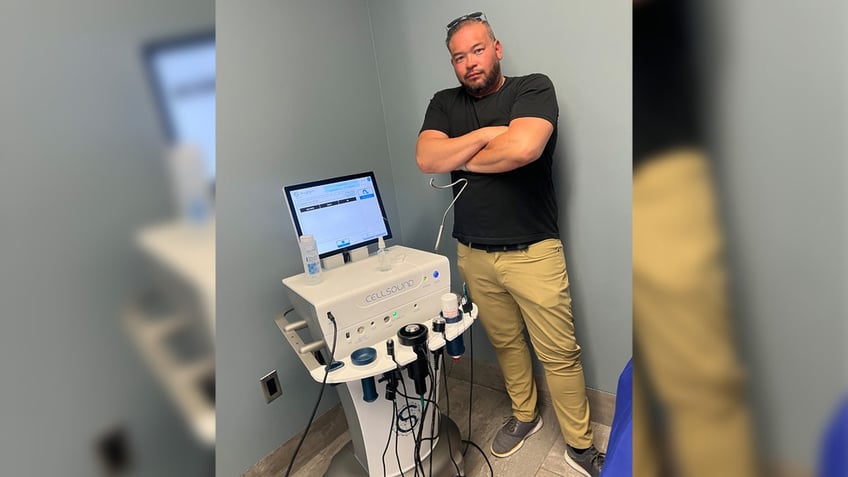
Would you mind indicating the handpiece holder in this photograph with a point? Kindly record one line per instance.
(451, 315)
(400, 355)
(415, 336)
(364, 357)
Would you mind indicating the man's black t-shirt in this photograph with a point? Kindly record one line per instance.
(506, 208)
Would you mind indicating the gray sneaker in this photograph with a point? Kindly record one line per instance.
(512, 435)
(588, 463)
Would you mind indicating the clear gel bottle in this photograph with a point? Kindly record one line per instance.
(383, 262)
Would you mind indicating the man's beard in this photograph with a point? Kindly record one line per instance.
(491, 80)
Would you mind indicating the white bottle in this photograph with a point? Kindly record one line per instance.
(383, 262)
(311, 261)
(192, 187)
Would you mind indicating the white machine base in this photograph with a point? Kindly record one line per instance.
(344, 463)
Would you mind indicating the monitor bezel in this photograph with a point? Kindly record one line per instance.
(150, 51)
(288, 190)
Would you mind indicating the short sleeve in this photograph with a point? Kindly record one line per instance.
(436, 117)
(536, 98)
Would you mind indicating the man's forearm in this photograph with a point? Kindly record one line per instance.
(436, 153)
(502, 154)
(521, 144)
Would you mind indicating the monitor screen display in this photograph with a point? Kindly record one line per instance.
(182, 72)
(342, 213)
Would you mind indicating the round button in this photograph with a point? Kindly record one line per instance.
(436, 274)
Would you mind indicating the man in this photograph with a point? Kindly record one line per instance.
(499, 133)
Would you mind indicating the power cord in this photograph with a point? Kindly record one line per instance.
(397, 454)
(429, 401)
(448, 186)
(470, 394)
(391, 390)
(391, 394)
(425, 402)
(320, 394)
(438, 408)
(432, 369)
(447, 401)
(436, 411)
(491, 472)
(404, 395)
(467, 307)
(392, 428)
(471, 384)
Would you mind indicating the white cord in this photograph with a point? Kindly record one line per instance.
(448, 186)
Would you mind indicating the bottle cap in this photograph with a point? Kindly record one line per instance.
(381, 244)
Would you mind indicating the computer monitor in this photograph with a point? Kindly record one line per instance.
(342, 213)
(181, 70)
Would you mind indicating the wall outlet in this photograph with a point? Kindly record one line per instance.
(113, 451)
(271, 386)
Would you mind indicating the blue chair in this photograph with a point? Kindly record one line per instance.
(619, 460)
(834, 456)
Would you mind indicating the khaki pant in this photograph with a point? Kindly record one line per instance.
(529, 288)
(684, 353)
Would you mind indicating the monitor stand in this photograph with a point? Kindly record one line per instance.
(338, 260)
(334, 261)
(358, 254)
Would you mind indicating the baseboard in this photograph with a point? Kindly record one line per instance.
(325, 429)
(488, 374)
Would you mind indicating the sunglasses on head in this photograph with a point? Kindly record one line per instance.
(471, 16)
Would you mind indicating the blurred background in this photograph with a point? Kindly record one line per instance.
(739, 253)
(106, 268)
(108, 240)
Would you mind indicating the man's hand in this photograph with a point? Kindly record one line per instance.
(436, 153)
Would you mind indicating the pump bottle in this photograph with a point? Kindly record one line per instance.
(383, 262)
(311, 260)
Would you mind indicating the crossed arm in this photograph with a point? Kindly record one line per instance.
(485, 150)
